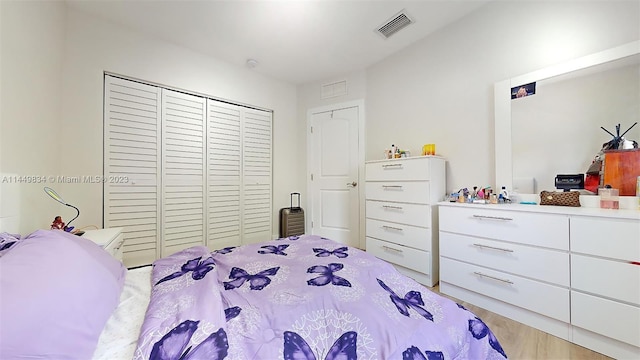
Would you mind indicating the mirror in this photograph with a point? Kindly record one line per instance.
(557, 130)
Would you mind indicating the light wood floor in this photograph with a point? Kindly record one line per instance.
(520, 341)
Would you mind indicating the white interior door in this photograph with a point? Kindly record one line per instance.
(334, 175)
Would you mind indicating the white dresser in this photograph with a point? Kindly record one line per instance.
(402, 215)
(571, 272)
(605, 285)
(111, 240)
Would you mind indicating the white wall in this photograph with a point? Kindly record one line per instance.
(53, 59)
(441, 89)
(32, 43)
(94, 46)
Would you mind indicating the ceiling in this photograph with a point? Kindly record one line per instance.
(294, 41)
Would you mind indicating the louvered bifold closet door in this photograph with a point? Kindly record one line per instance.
(132, 152)
(256, 176)
(183, 171)
(224, 188)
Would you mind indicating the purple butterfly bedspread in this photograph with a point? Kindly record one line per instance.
(305, 298)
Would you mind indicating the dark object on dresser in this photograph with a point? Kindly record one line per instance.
(292, 219)
(570, 198)
(568, 182)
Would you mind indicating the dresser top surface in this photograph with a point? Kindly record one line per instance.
(547, 209)
(435, 157)
(102, 237)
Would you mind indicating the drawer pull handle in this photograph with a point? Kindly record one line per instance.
(492, 277)
(492, 247)
(391, 228)
(481, 217)
(392, 249)
(392, 207)
(391, 165)
(392, 186)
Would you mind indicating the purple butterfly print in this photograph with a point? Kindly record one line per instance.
(296, 348)
(256, 282)
(294, 237)
(232, 312)
(199, 269)
(7, 245)
(340, 252)
(276, 250)
(413, 299)
(479, 330)
(327, 275)
(226, 250)
(434, 355)
(413, 353)
(172, 345)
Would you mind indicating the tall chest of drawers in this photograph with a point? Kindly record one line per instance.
(402, 215)
(571, 272)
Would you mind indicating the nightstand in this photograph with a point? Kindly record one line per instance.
(109, 239)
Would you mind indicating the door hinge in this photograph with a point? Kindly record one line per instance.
(311, 177)
(312, 129)
(312, 224)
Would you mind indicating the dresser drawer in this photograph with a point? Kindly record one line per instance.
(606, 237)
(417, 260)
(606, 317)
(533, 262)
(416, 192)
(407, 235)
(414, 169)
(546, 299)
(411, 214)
(613, 279)
(545, 230)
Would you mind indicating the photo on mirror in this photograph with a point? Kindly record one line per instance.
(523, 90)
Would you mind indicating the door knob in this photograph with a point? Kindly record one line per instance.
(352, 184)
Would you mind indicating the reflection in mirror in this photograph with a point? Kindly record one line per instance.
(558, 129)
(552, 139)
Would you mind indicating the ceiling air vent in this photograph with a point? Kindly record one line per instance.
(334, 89)
(395, 24)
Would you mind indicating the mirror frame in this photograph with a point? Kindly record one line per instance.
(502, 101)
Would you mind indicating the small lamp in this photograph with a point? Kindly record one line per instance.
(59, 199)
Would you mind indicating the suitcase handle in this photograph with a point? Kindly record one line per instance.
(297, 207)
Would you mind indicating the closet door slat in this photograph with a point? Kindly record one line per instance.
(256, 175)
(224, 139)
(132, 151)
(183, 171)
(199, 170)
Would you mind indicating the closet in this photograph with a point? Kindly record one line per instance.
(187, 170)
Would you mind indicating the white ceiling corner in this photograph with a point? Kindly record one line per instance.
(293, 41)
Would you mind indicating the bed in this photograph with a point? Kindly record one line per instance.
(302, 297)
